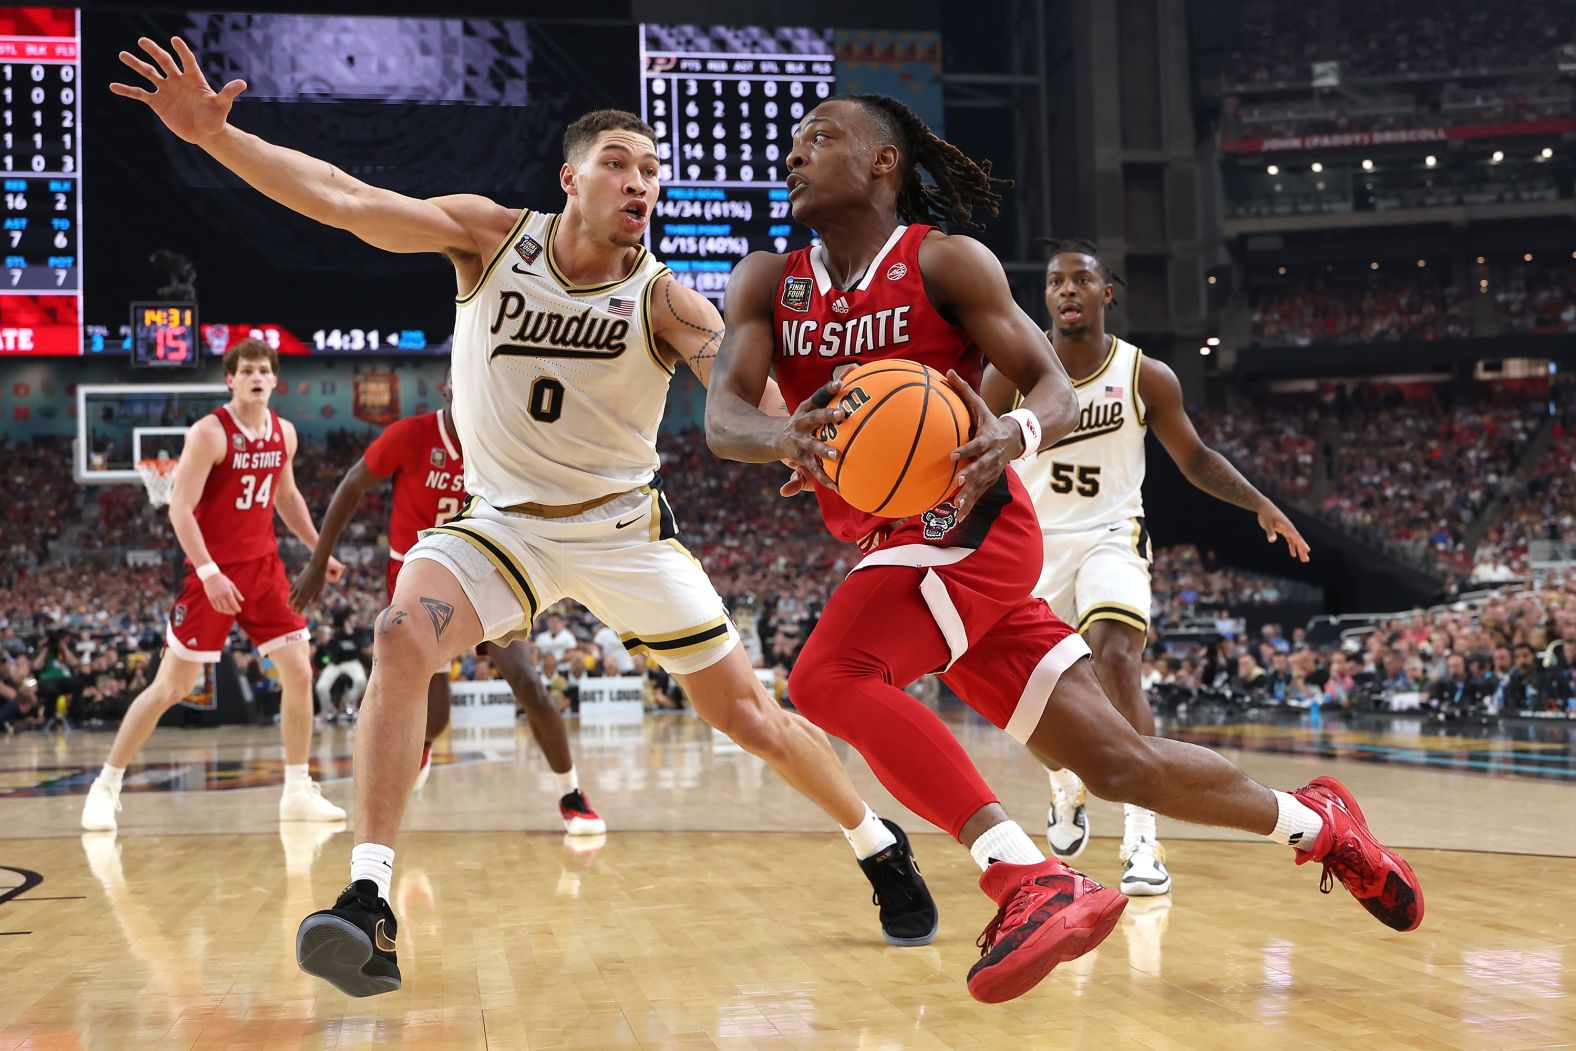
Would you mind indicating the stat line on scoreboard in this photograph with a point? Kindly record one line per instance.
(31, 174)
(735, 184)
(753, 56)
(669, 74)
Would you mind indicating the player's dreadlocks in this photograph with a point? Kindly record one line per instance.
(1055, 246)
(958, 183)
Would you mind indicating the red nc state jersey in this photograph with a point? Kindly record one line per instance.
(429, 475)
(819, 329)
(236, 510)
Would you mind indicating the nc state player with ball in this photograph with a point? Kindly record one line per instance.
(234, 473)
(949, 590)
(423, 455)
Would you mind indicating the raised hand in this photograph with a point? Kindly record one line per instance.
(181, 95)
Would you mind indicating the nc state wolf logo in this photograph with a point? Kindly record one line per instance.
(940, 520)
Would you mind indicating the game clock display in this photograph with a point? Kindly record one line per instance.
(164, 335)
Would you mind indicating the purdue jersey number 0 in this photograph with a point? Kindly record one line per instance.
(558, 393)
(561, 384)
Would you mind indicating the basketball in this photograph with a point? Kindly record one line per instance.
(895, 445)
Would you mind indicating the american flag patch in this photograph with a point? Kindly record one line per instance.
(1113, 392)
(621, 306)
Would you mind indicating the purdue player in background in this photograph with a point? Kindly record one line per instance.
(1086, 490)
(234, 475)
(566, 335)
(424, 457)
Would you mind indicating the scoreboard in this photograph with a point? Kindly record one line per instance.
(724, 101)
(41, 172)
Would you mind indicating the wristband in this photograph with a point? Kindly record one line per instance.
(1029, 424)
(207, 571)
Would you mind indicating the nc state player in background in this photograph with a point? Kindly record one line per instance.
(423, 455)
(951, 588)
(234, 473)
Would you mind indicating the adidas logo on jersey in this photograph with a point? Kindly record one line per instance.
(840, 305)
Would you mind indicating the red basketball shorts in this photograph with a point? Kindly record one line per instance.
(197, 632)
(954, 598)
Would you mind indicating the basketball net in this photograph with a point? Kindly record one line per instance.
(158, 477)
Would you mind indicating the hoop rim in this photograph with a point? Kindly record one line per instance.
(157, 465)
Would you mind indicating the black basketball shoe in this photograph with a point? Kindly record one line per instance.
(908, 912)
(351, 946)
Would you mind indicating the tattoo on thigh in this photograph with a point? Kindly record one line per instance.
(440, 612)
(389, 619)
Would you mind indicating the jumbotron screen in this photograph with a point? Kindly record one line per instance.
(105, 208)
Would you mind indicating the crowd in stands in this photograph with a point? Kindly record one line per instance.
(1407, 471)
(1513, 654)
(1396, 38)
(1410, 470)
(1546, 510)
(1386, 307)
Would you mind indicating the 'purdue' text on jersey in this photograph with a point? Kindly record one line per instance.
(1094, 476)
(558, 387)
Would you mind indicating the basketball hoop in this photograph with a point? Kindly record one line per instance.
(158, 477)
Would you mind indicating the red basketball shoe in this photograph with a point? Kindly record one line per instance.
(1378, 878)
(1048, 914)
(579, 818)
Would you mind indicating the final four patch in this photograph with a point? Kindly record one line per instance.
(438, 458)
(796, 294)
(528, 249)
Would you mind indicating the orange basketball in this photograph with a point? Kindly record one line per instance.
(895, 445)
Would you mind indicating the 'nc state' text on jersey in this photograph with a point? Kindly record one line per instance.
(858, 335)
(547, 333)
(446, 481)
(258, 461)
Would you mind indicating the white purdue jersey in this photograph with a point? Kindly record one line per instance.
(1094, 476)
(558, 387)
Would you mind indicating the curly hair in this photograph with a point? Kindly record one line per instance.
(1056, 246)
(958, 184)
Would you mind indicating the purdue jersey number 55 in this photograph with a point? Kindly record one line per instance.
(560, 386)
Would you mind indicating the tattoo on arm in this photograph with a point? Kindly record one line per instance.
(440, 612)
(708, 350)
(389, 619)
(1214, 474)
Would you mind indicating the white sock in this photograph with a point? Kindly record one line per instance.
(1005, 842)
(1137, 824)
(1065, 781)
(1297, 824)
(111, 775)
(375, 862)
(568, 781)
(870, 837)
(297, 773)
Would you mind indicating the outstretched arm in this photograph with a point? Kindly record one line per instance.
(1204, 467)
(461, 226)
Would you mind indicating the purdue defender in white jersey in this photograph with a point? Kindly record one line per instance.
(1087, 491)
(566, 335)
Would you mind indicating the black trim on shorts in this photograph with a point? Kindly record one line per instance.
(1144, 550)
(986, 510)
(481, 539)
(667, 524)
(635, 642)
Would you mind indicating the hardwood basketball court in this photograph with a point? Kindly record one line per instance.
(721, 911)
